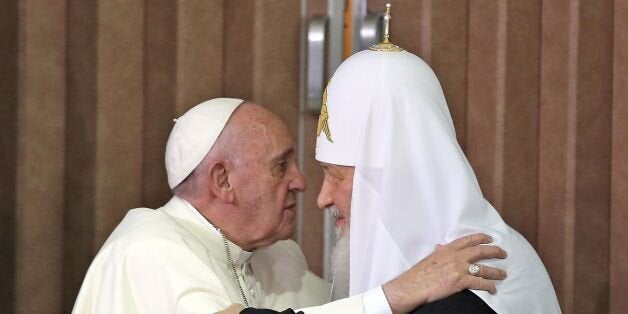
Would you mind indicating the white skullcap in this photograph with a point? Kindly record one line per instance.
(194, 134)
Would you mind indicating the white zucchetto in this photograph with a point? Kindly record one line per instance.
(194, 134)
(385, 114)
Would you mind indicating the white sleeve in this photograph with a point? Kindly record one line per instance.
(371, 302)
(375, 302)
(352, 305)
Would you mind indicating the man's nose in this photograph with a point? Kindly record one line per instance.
(324, 197)
(298, 182)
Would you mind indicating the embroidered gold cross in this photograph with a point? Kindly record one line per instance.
(323, 123)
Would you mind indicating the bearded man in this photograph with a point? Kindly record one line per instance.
(399, 185)
(223, 237)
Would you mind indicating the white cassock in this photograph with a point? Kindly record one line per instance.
(171, 260)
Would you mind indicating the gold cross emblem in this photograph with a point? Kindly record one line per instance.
(323, 124)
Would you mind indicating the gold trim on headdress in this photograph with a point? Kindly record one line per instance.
(386, 45)
(323, 123)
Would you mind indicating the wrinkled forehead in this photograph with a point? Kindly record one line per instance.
(255, 131)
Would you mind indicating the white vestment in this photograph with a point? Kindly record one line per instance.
(386, 115)
(168, 261)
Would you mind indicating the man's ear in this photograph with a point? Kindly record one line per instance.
(219, 182)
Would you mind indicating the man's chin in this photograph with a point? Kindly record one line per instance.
(284, 233)
(288, 227)
(289, 231)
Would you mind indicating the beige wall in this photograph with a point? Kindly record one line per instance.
(537, 89)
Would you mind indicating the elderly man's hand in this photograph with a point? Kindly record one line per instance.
(445, 272)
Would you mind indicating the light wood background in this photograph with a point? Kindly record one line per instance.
(538, 91)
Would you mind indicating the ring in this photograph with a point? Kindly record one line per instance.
(474, 269)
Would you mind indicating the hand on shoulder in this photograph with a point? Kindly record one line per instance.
(445, 272)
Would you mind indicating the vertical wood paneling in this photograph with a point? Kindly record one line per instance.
(81, 89)
(407, 27)
(8, 152)
(160, 47)
(199, 52)
(427, 31)
(521, 116)
(593, 150)
(619, 176)
(485, 107)
(238, 47)
(41, 120)
(449, 30)
(119, 113)
(104, 111)
(557, 142)
(276, 59)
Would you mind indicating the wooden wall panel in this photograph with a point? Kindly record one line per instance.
(104, 143)
(557, 140)
(619, 167)
(160, 48)
(81, 108)
(8, 153)
(448, 57)
(521, 117)
(238, 46)
(120, 100)
(593, 151)
(276, 58)
(199, 52)
(486, 95)
(41, 139)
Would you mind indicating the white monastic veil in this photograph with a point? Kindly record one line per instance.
(413, 187)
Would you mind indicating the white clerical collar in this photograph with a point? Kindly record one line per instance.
(240, 256)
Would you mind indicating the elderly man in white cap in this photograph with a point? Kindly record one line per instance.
(221, 240)
(399, 184)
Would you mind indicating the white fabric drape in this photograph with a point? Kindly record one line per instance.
(413, 186)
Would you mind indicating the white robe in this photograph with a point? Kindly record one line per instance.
(167, 261)
(413, 187)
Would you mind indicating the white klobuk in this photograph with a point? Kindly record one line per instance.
(385, 114)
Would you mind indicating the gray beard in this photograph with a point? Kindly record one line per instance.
(340, 267)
